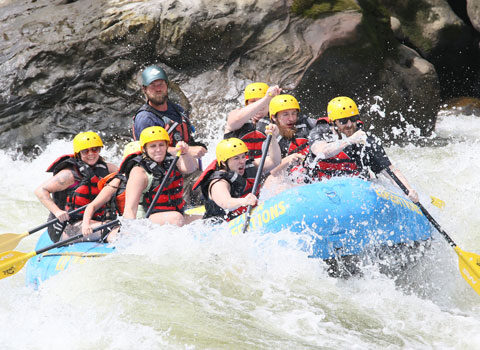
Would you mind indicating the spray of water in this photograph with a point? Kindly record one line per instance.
(200, 287)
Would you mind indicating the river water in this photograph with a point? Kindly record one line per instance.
(194, 288)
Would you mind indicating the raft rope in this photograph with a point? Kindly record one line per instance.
(80, 254)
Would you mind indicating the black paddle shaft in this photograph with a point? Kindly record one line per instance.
(74, 238)
(257, 180)
(162, 185)
(422, 208)
(33, 230)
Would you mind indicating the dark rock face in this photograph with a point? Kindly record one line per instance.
(72, 66)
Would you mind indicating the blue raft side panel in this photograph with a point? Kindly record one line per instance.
(43, 266)
(342, 216)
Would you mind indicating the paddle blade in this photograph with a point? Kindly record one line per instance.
(437, 202)
(469, 264)
(11, 262)
(9, 241)
(196, 211)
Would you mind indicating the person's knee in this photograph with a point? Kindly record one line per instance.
(179, 219)
(172, 218)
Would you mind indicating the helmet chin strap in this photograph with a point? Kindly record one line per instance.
(226, 165)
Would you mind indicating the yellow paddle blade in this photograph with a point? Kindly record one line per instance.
(11, 262)
(9, 241)
(437, 202)
(469, 264)
(196, 211)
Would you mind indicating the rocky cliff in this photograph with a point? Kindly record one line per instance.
(70, 66)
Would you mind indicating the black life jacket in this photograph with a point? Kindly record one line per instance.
(85, 188)
(171, 197)
(240, 186)
(177, 131)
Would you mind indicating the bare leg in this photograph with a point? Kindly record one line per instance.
(168, 217)
(191, 218)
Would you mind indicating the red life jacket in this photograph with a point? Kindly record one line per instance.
(339, 165)
(254, 141)
(116, 205)
(171, 198)
(252, 136)
(297, 145)
(240, 186)
(177, 131)
(85, 188)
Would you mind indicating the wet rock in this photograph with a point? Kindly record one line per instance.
(73, 65)
(463, 105)
(473, 11)
(397, 29)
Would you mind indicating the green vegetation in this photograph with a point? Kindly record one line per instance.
(315, 8)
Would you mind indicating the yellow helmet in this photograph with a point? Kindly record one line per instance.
(131, 147)
(255, 90)
(85, 140)
(341, 107)
(153, 133)
(282, 102)
(229, 148)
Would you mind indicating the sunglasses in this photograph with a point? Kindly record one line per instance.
(93, 150)
(353, 119)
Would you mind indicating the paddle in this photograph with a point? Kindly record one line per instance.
(469, 263)
(12, 261)
(162, 185)
(9, 241)
(257, 180)
(437, 202)
(196, 210)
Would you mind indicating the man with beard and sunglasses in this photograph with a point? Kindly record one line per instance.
(160, 111)
(340, 147)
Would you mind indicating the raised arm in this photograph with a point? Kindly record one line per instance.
(186, 163)
(240, 116)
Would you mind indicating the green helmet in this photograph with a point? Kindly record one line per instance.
(152, 73)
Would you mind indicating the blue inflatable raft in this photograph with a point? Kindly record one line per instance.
(342, 217)
(48, 264)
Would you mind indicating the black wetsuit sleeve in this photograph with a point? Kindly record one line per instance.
(376, 156)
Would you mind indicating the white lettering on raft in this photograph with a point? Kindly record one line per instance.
(398, 200)
(259, 217)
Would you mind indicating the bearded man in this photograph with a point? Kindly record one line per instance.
(158, 110)
(284, 111)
